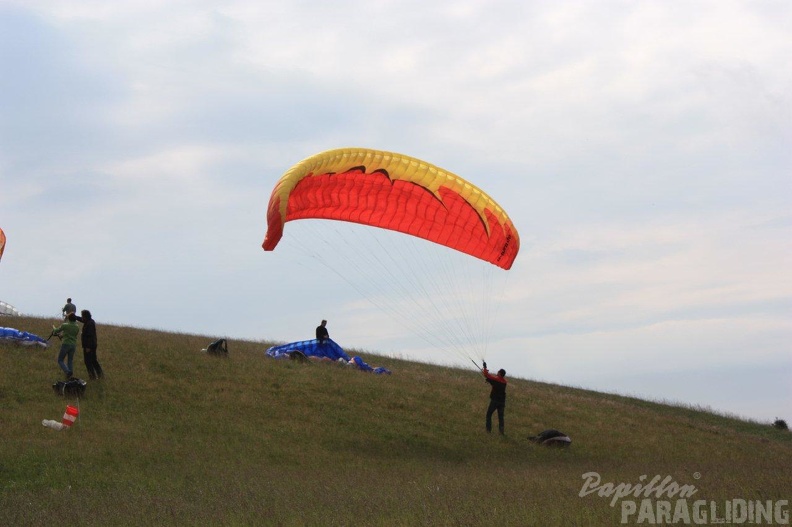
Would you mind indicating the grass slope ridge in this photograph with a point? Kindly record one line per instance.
(173, 436)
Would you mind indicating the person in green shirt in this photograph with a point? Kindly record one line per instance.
(68, 331)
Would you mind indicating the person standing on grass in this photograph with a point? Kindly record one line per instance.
(497, 397)
(68, 331)
(321, 332)
(68, 308)
(89, 345)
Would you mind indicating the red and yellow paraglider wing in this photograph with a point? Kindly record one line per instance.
(394, 192)
(2, 243)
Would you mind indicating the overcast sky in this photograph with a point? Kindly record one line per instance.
(642, 149)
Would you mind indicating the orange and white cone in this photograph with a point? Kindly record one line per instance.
(70, 416)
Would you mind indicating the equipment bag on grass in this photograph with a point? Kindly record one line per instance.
(551, 438)
(218, 347)
(70, 387)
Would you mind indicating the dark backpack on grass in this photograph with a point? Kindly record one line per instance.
(551, 438)
(218, 347)
(70, 387)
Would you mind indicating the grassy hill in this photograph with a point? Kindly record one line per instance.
(173, 436)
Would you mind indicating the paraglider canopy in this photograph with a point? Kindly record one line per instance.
(23, 338)
(396, 192)
(310, 348)
(2, 243)
(326, 349)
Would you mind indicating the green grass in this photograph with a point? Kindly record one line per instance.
(173, 436)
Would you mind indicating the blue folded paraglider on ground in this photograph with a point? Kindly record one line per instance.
(328, 350)
(310, 348)
(365, 367)
(21, 337)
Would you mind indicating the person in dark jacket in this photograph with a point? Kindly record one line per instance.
(497, 397)
(89, 345)
(321, 332)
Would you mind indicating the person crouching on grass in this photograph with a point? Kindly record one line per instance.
(497, 397)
